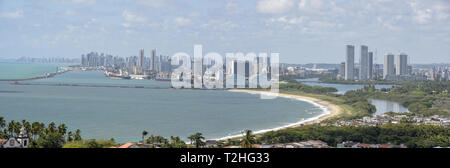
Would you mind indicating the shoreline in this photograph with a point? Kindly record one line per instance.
(329, 110)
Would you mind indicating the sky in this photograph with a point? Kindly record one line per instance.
(302, 31)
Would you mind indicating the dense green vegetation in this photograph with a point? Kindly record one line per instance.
(41, 136)
(353, 105)
(91, 143)
(197, 139)
(331, 78)
(425, 97)
(413, 136)
(313, 75)
(248, 140)
(306, 88)
(159, 141)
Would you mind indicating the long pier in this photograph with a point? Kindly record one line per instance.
(38, 77)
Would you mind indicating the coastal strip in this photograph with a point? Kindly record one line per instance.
(47, 75)
(329, 110)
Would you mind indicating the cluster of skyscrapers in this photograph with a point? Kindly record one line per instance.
(348, 69)
(139, 65)
(394, 70)
(48, 60)
(366, 71)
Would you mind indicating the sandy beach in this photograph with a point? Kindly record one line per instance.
(330, 110)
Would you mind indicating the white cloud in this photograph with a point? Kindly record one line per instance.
(232, 8)
(420, 16)
(274, 6)
(221, 25)
(90, 2)
(153, 3)
(71, 28)
(131, 19)
(12, 15)
(285, 20)
(85, 2)
(181, 21)
(70, 12)
(315, 4)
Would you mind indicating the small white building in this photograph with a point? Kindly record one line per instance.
(22, 141)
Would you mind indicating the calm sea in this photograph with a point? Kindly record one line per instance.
(122, 113)
(26, 70)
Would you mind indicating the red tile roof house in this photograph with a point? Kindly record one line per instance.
(127, 145)
(385, 146)
(2, 141)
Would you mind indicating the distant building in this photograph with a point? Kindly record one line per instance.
(350, 63)
(364, 64)
(21, 141)
(401, 64)
(370, 68)
(342, 70)
(152, 60)
(388, 67)
(141, 58)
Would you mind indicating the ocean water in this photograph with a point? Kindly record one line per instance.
(26, 70)
(102, 112)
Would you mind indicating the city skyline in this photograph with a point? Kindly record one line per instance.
(302, 31)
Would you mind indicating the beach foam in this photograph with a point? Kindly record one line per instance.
(325, 111)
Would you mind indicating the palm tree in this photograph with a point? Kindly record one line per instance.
(17, 126)
(197, 138)
(27, 127)
(69, 136)
(10, 129)
(248, 140)
(77, 136)
(144, 133)
(62, 129)
(176, 142)
(51, 128)
(2, 123)
(36, 129)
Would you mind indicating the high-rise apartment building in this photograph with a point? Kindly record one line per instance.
(364, 64)
(388, 67)
(350, 63)
(152, 60)
(141, 58)
(370, 68)
(401, 64)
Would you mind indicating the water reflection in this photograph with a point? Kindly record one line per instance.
(384, 106)
(342, 88)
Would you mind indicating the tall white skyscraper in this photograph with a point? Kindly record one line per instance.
(350, 63)
(401, 64)
(152, 60)
(141, 58)
(388, 67)
(370, 65)
(364, 64)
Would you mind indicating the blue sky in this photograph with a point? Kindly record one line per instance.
(302, 31)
